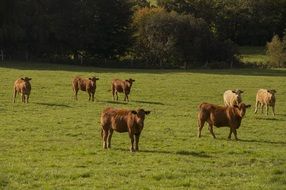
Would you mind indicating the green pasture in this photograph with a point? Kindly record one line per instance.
(54, 142)
(253, 55)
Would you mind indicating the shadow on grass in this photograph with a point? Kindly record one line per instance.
(263, 141)
(148, 102)
(53, 104)
(180, 152)
(269, 119)
(114, 102)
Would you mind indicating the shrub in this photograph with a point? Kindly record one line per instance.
(276, 50)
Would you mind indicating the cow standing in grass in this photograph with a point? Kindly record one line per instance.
(88, 85)
(232, 97)
(122, 120)
(265, 97)
(122, 86)
(22, 86)
(221, 116)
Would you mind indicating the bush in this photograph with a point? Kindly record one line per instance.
(276, 50)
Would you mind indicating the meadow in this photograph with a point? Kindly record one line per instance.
(54, 141)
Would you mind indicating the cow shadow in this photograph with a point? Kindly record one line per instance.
(53, 104)
(148, 102)
(114, 102)
(269, 118)
(263, 141)
(180, 152)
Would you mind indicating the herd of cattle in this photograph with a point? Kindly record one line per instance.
(132, 121)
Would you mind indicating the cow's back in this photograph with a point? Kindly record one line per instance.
(118, 85)
(116, 119)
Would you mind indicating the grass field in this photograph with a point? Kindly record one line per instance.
(54, 142)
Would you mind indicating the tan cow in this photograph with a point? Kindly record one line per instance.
(88, 85)
(221, 117)
(232, 97)
(22, 86)
(265, 97)
(122, 120)
(122, 86)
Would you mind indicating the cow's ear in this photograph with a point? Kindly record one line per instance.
(248, 106)
(133, 80)
(22, 79)
(127, 80)
(29, 78)
(90, 78)
(233, 91)
(236, 106)
(273, 91)
(134, 112)
(147, 112)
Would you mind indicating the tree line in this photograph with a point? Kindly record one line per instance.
(173, 33)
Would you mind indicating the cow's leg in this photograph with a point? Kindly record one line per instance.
(235, 133)
(273, 110)
(15, 94)
(137, 136)
(131, 135)
(104, 138)
(23, 97)
(262, 107)
(92, 96)
(116, 93)
(28, 96)
(211, 130)
(109, 138)
(230, 132)
(267, 108)
(126, 97)
(256, 106)
(75, 93)
(89, 95)
(200, 126)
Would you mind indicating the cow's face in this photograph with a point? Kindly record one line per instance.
(237, 91)
(130, 81)
(93, 80)
(140, 117)
(242, 109)
(26, 79)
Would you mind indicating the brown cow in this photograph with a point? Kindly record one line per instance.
(88, 85)
(221, 116)
(265, 97)
(22, 86)
(121, 86)
(122, 120)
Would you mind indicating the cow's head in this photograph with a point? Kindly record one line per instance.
(93, 79)
(130, 81)
(242, 109)
(272, 91)
(26, 79)
(140, 117)
(237, 91)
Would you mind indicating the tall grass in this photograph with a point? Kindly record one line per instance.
(54, 141)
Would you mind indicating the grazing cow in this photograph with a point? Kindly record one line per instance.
(232, 97)
(22, 86)
(88, 85)
(123, 86)
(221, 116)
(121, 120)
(265, 97)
